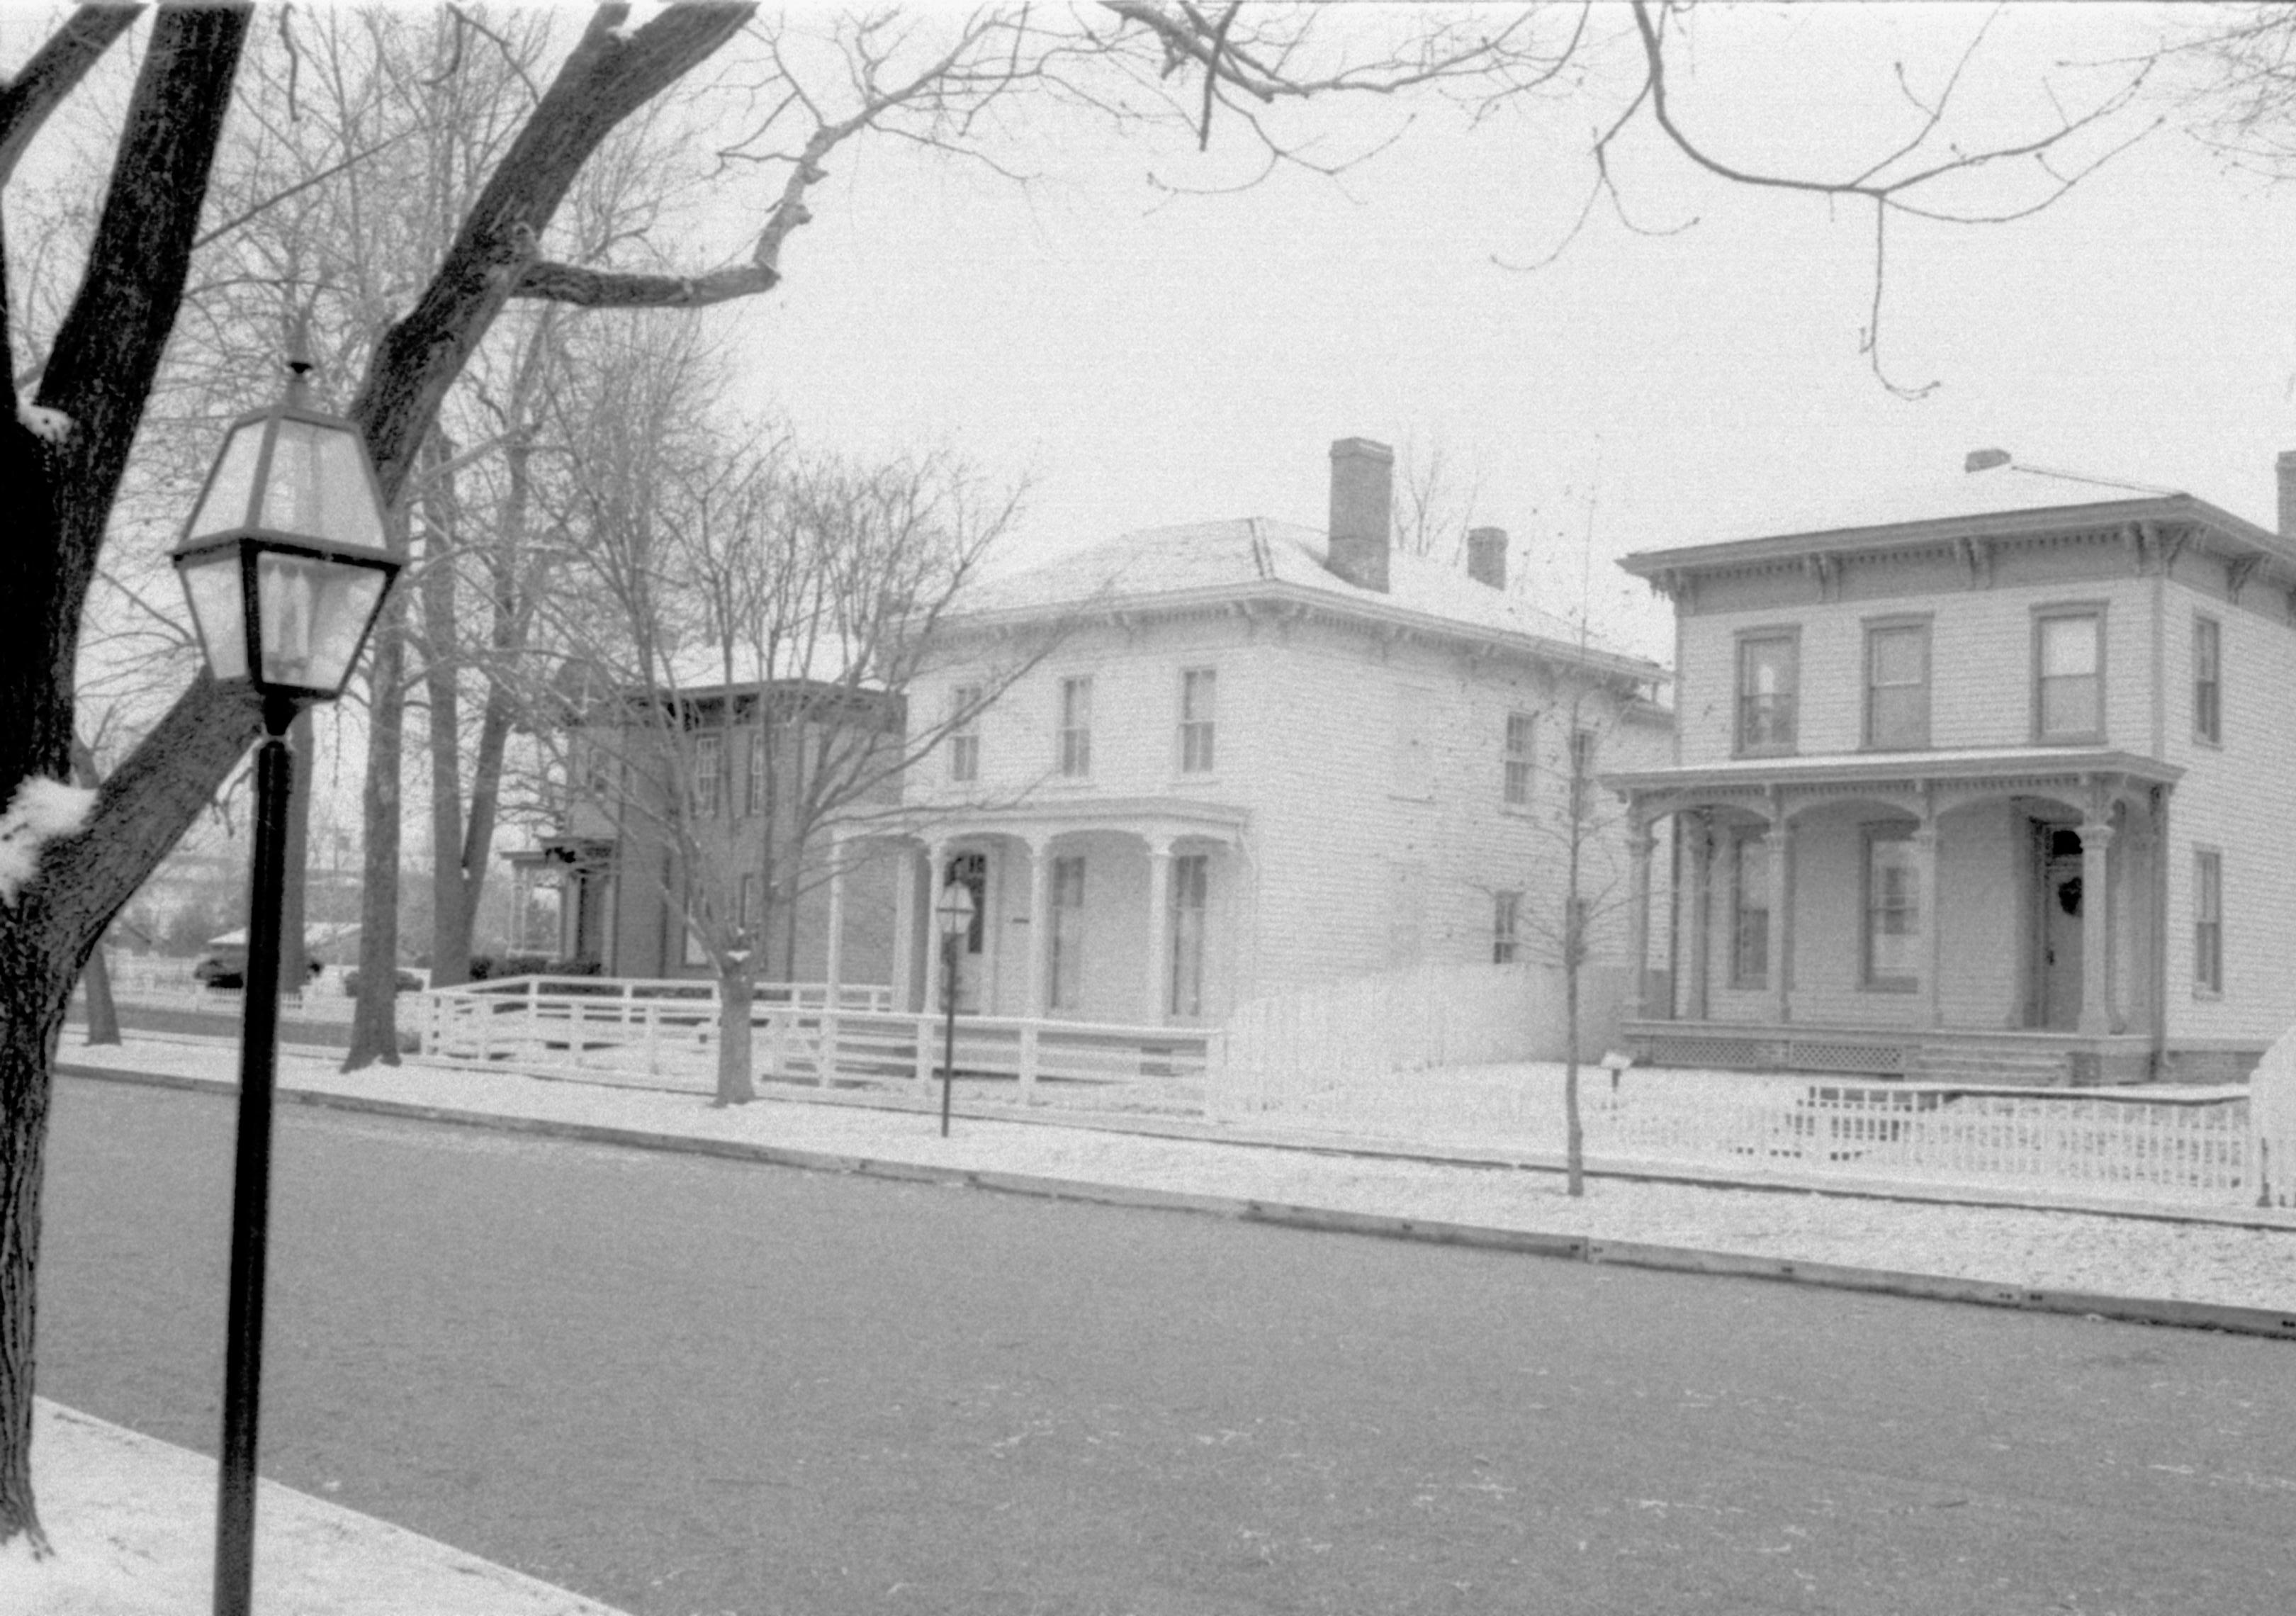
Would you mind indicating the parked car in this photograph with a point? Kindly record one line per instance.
(226, 967)
(408, 981)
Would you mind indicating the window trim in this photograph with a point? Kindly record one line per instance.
(1072, 742)
(2208, 692)
(710, 774)
(1757, 978)
(1506, 926)
(1897, 623)
(1789, 636)
(1869, 981)
(1518, 765)
(1206, 726)
(2059, 612)
(1065, 948)
(964, 733)
(2207, 960)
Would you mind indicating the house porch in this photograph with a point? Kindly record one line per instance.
(1984, 917)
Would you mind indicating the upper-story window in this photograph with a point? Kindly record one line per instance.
(2068, 675)
(1199, 695)
(2208, 681)
(1506, 927)
(1515, 785)
(1897, 686)
(709, 774)
(1075, 726)
(754, 749)
(964, 733)
(1769, 678)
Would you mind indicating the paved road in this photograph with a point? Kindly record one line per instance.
(686, 1386)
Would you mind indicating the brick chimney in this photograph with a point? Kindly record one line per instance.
(2286, 466)
(1487, 556)
(1363, 476)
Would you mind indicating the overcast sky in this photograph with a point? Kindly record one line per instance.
(1153, 359)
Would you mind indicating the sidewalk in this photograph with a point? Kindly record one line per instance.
(132, 1520)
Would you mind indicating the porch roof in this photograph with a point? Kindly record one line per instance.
(2006, 765)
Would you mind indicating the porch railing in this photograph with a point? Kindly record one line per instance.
(667, 1033)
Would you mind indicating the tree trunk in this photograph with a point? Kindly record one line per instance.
(735, 1085)
(103, 1014)
(374, 1024)
(1574, 1144)
(28, 1045)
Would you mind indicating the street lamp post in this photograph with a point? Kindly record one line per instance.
(285, 566)
(955, 912)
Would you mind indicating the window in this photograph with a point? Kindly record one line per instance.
(1067, 933)
(748, 915)
(2068, 692)
(1767, 681)
(2208, 921)
(1199, 690)
(1075, 726)
(1749, 908)
(2208, 681)
(600, 773)
(1191, 877)
(1514, 786)
(1506, 927)
(1898, 686)
(1893, 911)
(964, 733)
(709, 774)
(755, 752)
(1584, 744)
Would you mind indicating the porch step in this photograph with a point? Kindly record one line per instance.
(1990, 1064)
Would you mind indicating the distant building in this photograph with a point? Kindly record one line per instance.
(1988, 782)
(1260, 757)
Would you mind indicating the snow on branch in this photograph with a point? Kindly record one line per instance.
(51, 426)
(42, 811)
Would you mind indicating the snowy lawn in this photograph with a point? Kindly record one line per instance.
(2194, 1260)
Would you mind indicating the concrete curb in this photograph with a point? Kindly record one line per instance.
(1681, 1259)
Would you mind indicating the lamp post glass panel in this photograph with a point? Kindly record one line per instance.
(955, 912)
(284, 563)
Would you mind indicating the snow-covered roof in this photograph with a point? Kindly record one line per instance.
(2023, 496)
(1249, 556)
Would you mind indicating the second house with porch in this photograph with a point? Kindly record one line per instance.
(1259, 757)
(1989, 781)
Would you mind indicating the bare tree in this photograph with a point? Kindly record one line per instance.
(745, 624)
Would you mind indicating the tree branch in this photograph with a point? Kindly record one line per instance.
(54, 72)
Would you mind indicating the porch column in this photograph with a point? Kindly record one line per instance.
(936, 862)
(2133, 996)
(1160, 926)
(1931, 1011)
(2096, 930)
(1040, 923)
(904, 929)
(833, 967)
(1640, 842)
(1780, 911)
(1702, 909)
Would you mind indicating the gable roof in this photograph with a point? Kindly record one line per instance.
(1252, 558)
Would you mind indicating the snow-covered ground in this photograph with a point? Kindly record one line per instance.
(132, 1522)
(2210, 1257)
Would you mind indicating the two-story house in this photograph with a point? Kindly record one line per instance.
(1985, 782)
(1258, 756)
(693, 805)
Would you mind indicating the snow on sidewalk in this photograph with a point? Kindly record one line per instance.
(2055, 1250)
(132, 1520)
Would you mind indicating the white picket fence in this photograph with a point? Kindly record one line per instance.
(1281, 1052)
(665, 1034)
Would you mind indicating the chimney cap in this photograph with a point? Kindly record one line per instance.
(1369, 447)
